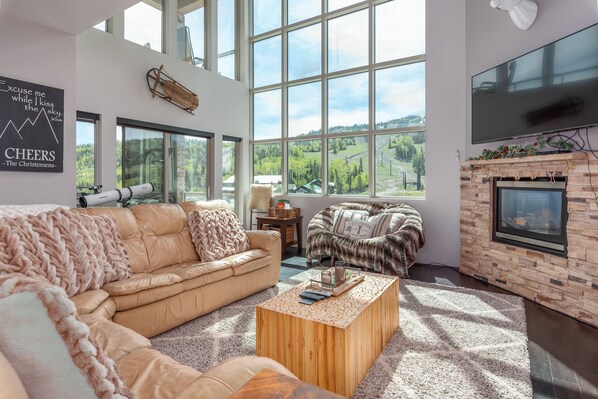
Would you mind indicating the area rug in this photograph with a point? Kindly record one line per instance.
(452, 343)
(296, 262)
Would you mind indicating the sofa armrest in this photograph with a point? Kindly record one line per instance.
(229, 376)
(263, 239)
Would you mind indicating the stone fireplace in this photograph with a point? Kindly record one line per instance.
(530, 226)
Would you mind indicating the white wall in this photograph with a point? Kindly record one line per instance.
(111, 81)
(38, 54)
(492, 39)
(445, 134)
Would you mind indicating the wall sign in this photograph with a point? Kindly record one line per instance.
(31, 126)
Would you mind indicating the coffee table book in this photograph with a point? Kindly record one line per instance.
(333, 342)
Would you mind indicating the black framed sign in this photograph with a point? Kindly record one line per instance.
(31, 126)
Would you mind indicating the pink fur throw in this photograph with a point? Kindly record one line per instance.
(49, 347)
(73, 251)
(217, 234)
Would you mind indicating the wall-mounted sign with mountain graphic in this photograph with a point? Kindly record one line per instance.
(31, 126)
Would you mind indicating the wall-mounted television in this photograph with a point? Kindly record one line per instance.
(553, 88)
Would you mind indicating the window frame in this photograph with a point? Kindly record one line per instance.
(237, 151)
(167, 132)
(324, 77)
(90, 117)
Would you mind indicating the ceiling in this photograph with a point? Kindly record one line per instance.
(71, 16)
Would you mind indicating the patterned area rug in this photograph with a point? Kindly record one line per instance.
(452, 343)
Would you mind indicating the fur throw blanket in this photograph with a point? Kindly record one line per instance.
(73, 251)
(37, 374)
(389, 254)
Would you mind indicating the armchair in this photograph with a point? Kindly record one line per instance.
(392, 253)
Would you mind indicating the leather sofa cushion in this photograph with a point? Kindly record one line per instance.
(126, 302)
(229, 376)
(140, 282)
(249, 261)
(150, 374)
(190, 270)
(107, 309)
(115, 340)
(165, 234)
(89, 301)
(129, 231)
(11, 385)
(196, 274)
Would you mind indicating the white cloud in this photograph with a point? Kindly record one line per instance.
(143, 24)
(348, 41)
(400, 29)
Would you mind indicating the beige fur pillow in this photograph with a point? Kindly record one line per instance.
(260, 196)
(216, 234)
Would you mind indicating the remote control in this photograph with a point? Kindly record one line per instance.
(325, 294)
(313, 297)
(306, 301)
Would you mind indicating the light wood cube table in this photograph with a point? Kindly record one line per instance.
(333, 342)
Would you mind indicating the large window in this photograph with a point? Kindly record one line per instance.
(86, 135)
(230, 172)
(143, 24)
(338, 96)
(191, 31)
(141, 149)
(227, 54)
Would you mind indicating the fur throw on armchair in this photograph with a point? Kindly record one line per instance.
(391, 253)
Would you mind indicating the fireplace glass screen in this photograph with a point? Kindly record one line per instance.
(532, 214)
(532, 211)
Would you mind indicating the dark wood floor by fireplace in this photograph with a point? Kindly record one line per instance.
(563, 351)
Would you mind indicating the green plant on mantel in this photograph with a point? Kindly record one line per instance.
(509, 151)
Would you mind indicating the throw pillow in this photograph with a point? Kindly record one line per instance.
(381, 224)
(361, 229)
(342, 215)
(49, 348)
(216, 234)
(74, 251)
(260, 196)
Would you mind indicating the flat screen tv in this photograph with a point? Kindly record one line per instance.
(553, 88)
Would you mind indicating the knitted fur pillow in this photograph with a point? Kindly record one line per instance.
(49, 347)
(216, 234)
(74, 251)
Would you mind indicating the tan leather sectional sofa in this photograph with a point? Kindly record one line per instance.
(169, 285)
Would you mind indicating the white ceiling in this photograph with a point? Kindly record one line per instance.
(71, 16)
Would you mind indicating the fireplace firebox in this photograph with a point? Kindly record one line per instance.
(531, 214)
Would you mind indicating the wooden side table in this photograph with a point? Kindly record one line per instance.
(297, 222)
(268, 384)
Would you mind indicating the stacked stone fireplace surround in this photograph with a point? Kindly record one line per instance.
(567, 284)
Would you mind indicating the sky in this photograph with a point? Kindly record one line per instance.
(399, 91)
(85, 133)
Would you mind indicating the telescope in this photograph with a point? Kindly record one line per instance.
(120, 195)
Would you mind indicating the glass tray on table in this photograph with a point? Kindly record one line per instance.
(352, 278)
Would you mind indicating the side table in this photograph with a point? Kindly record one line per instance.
(268, 384)
(297, 222)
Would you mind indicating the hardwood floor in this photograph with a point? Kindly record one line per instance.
(563, 351)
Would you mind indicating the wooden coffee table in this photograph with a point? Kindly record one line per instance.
(333, 342)
(268, 384)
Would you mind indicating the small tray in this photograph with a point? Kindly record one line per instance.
(356, 278)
